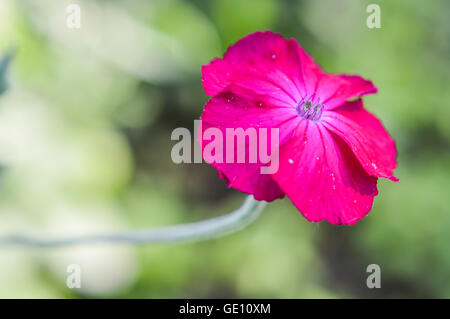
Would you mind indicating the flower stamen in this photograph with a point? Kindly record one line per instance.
(309, 111)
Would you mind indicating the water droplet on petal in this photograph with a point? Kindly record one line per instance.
(374, 165)
(274, 56)
(290, 161)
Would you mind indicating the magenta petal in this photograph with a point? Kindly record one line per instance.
(262, 66)
(334, 90)
(265, 67)
(229, 111)
(366, 136)
(216, 76)
(306, 72)
(247, 178)
(322, 177)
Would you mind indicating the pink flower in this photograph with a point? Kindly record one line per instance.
(332, 150)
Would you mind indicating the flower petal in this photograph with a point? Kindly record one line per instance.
(322, 177)
(248, 179)
(265, 67)
(336, 89)
(366, 136)
(230, 111)
(262, 66)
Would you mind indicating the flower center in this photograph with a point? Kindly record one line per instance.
(309, 111)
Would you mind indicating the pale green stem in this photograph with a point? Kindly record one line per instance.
(206, 229)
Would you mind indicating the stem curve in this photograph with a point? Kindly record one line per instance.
(190, 232)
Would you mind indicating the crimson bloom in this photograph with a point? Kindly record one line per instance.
(331, 150)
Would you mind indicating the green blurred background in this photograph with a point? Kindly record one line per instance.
(85, 148)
